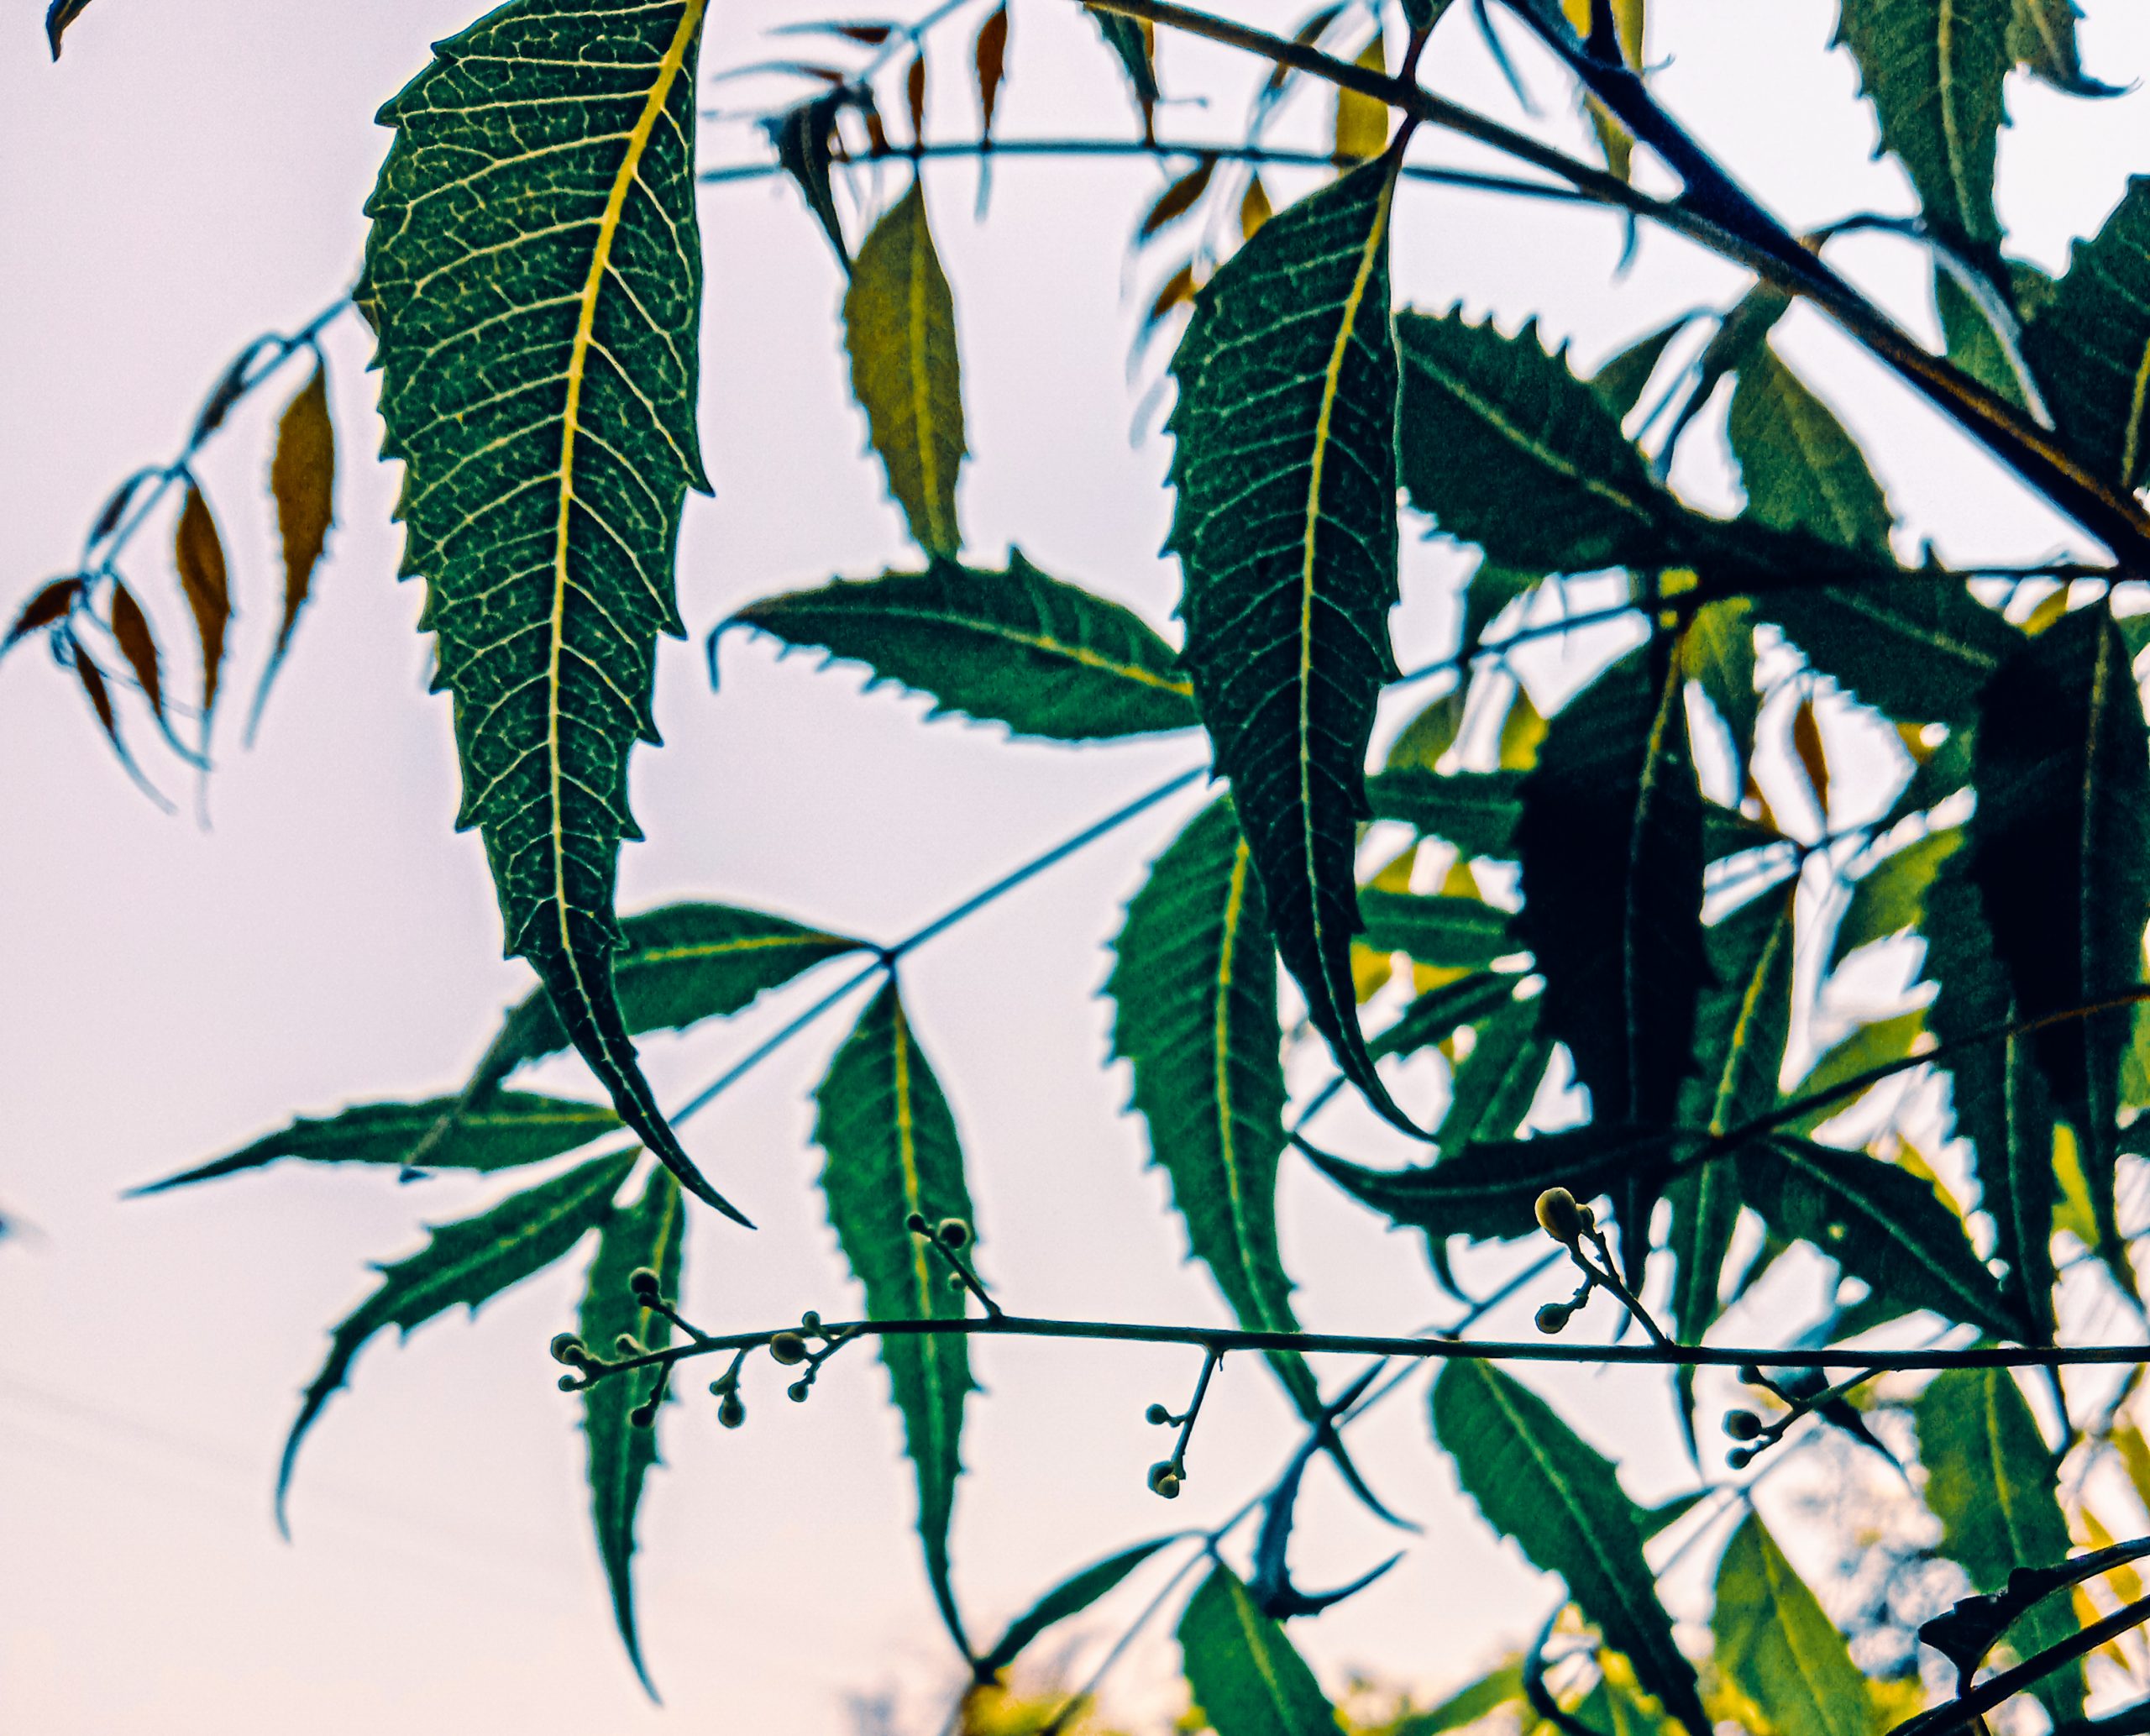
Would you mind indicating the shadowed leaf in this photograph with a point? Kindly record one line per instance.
(1475, 811)
(198, 554)
(2090, 347)
(2042, 38)
(1801, 470)
(1918, 647)
(138, 644)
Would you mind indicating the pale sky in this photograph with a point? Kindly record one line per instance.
(190, 175)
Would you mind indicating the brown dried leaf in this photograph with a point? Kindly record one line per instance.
(914, 97)
(1179, 199)
(130, 631)
(50, 604)
(1306, 36)
(198, 552)
(93, 686)
(991, 56)
(302, 482)
(1178, 288)
(227, 392)
(1255, 208)
(1813, 758)
(108, 518)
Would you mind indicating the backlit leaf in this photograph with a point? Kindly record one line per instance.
(1071, 1596)
(302, 481)
(1774, 1640)
(1286, 532)
(2042, 38)
(1461, 933)
(1802, 471)
(1179, 198)
(1245, 1675)
(899, 327)
(533, 277)
(1359, 125)
(1500, 1686)
(198, 554)
(1890, 896)
(1620, 382)
(1918, 647)
(1475, 811)
(1719, 654)
(2090, 347)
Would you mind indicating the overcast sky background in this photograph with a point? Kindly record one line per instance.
(192, 174)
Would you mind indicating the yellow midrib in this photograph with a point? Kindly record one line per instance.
(601, 259)
(929, 1347)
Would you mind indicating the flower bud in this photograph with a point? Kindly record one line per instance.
(642, 1282)
(796, 1391)
(1742, 1424)
(1560, 1217)
(569, 1383)
(809, 1321)
(1157, 1415)
(644, 1415)
(1553, 1317)
(1164, 1480)
(567, 1347)
(1750, 1375)
(730, 1410)
(915, 1223)
(953, 1233)
(1739, 1458)
(788, 1348)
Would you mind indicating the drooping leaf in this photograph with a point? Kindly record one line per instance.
(2041, 40)
(2090, 347)
(510, 1128)
(1071, 1596)
(1043, 657)
(533, 278)
(1359, 124)
(198, 555)
(1504, 447)
(1890, 896)
(899, 329)
(1990, 1482)
(471, 1261)
(138, 644)
(1285, 529)
(1538, 1482)
(989, 59)
(1934, 69)
(650, 1233)
(1918, 647)
(1774, 1640)
(1620, 383)
(1178, 198)
(803, 137)
(1246, 1676)
(1193, 987)
(1129, 40)
(47, 604)
(892, 1149)
(1475, 811)
(1801, 470)
(58, 16)
(302, 481)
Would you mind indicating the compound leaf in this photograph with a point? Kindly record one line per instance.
(1475, 811)
(1247, 1677)
(1918, 647)
(1774, 1640)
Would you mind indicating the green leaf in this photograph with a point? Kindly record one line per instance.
(1499, 1686)
(469, 1261)
(1245, 1675)
(1043, 657)
(1802, 471)
(2041, 40)
(1538, 1482)
(534, 276)
(1435, 1015)
(1890, 896)
(1990, 1482)
(1720, 656)
(1129, 40)
(1620, 383)
(1873, 1044)
(1934, 69)
(1475, 811)
(649, 1232)
(1881, 1224)
(1490, 1091)
(1504, 447)
(1611, 842)
(892, 1149)
(510, 1128)
(1773, 1641)
(2060, 849)
(1286, 532)
(1917, 646)
(899, 327)
(1460, 933)
(1071, 1596)
(1967, 328)
(2090, 347)
(1193, 987)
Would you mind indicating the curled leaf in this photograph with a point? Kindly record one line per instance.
(1179, 199)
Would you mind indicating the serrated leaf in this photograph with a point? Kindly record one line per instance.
(2060, 849)
(649, 1232)
(2041, 40)
(1918, 647)
(1490, 1089)
(1774, 1640)
(1801, 470)
(1436, 1015)
(1877, 1043)
(1934, 70)
(1967, 1631)
(2090, 347)
(510, 1128)
(47, 604)
(138, 644)
(1245, 1675)
(1043, 657)
(1890, 896)
(1451, 932)
(198, 555)
(1610, 844)
(302, 482)
(471, 1261)
(1881, 1224)
(1990, 1482)
(1193, 987)
(1538, 1482)
(1475, 811)
(1720, 656)
(533, 277)
(58, 16)
(1071, 1596)
(899, 329)
(1285, 528)
(892, 1149)
(1505, 447)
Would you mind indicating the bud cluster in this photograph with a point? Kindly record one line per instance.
(1575, 1226)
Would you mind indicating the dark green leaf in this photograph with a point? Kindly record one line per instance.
(1286, 532)
(1045, 657)
(1194, 991)
(1435, 1015)
(1967, 1631)
(1498, 1687)
(1719, 654)
(650, 1233)
(1620, 383)
(1536, 1481)
(1475, 811)
(507, 1128)
(1245, 1675)
(1505, 447)
(1071, 1596)
(1129, 39)
(2042, 38)
(1492, 588)
(803, 137)
(1968, 328)
(58, 16)
(891, 1150)
(537, 330)
(1990, 1482)
(1801, 470)
(1918, 647)
(471, 1261)
(1890, 896)
(1460, 933)
(1773, 1641)
(1490, 1089)
(2090, 348)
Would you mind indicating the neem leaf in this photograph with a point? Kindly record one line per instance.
(198, 556)
(1285, 534)
(58, 16)
(1505, 447)
(1775, 1642)
(1043, 657)
(1890, 896)
(1935, 69)
(2042, 38)
(1435, 1015)
(1801, 470)
(899, 327)
(1538, 1482)
(1496, 1688)
(891, 1150)
(1966, 1632)
(1071, 1596)
(1611, 843)
(1620, 382)
(2090, 347)
(509, 1128)
(1193, 987)
(1129, 40)
(47, 604)
(1475, 811)
(1917, 646)
(471, 1261)
(138, 644)
(1245, 1675)
(1990, 1482)
(533, 276)
(302, 482)
(649, 1232)
(1450, 932)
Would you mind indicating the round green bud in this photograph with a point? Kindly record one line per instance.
(1750, 1375)
(953, 1233)
(1157, 1415)
(1739, 1458)
(644, 1415)
(1164, 1480)
(915, 1223)
(730, 1411)
(567, 1347)
(1560, 1217)
(1742, 1424)
(642, 1282)
(1553, 1317)
(809, 1321)
(788, 1348)
(569, 1383)
(796, 1391)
